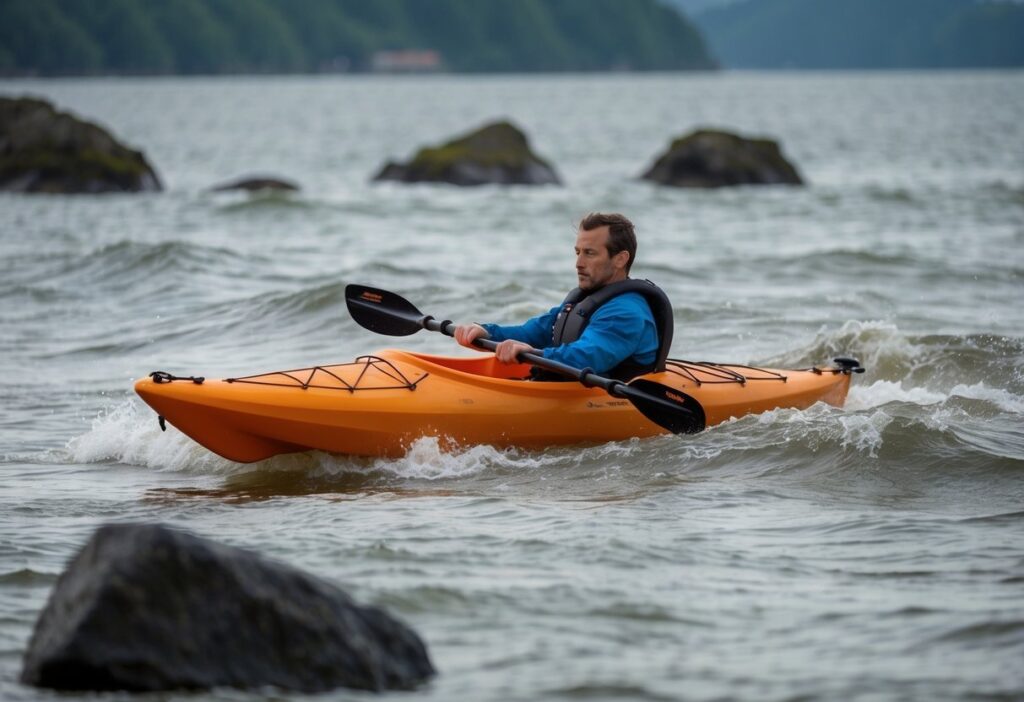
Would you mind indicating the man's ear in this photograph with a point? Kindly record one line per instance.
(620, 259)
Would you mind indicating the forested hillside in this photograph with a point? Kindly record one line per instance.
(866, 33)
(56, 37)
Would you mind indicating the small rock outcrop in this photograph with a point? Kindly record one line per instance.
(148, 608)
(254, 184)
(46, 151)
(496, 153)
(714, 159)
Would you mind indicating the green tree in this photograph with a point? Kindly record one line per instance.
(387, 19)
(125, 32)
(41, 38)
(220, 36)
(529, 36)
(199, 41)
(263, 39)
(328, 34)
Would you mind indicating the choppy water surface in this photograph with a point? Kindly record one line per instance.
(874, 552)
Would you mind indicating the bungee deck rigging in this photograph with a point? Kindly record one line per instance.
(333, 377)
(717, 373)
(337, 373)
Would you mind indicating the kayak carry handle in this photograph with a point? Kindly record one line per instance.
(165, 377)
(848, 365)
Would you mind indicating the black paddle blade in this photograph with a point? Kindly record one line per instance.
(667, 407)
(382, 311)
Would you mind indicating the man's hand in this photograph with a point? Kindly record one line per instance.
(466, 334)
(507, 350)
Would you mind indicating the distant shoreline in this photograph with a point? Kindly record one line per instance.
(436, 76)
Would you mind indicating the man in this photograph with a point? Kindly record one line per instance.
(611, 324)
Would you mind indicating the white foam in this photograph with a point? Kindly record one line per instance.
(129, 433)
(873, 341)
(429, 459)
(880, 347)
(882, 392)
(1003, 399)
(862, 423)
(814, 426)
(863, 432)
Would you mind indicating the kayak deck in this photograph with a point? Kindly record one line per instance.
(378, 405)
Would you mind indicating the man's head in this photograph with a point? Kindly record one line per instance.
(605, 248)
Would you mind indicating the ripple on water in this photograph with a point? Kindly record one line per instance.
(872, 552)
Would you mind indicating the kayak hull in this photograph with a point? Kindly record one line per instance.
(378, 405)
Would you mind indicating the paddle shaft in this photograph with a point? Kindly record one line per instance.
(586, 377)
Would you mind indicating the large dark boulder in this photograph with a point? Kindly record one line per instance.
(45, 151)
(496, 153)
(255, 184)
(714, 159)
(146, 608)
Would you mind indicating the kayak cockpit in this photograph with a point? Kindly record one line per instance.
(483, 365)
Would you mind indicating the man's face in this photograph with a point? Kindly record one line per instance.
(594, 267)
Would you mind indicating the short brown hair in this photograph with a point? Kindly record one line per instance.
(621, 236)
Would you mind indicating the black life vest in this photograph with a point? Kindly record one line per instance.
(579, 307)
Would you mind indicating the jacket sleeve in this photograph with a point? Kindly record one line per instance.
(536, 331)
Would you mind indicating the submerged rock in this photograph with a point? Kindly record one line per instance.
(256, 184)
(496, 153)
(146, 608)
(715, 159)
(45, 151)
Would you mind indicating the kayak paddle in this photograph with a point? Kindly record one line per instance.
(387, 313)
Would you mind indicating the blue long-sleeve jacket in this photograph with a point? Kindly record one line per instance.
(622, 328)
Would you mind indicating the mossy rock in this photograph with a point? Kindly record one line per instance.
(496, 153)
(713, 159)
(45, 151)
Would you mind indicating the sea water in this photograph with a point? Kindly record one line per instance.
(873, 552)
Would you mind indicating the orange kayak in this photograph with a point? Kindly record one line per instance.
(378, 405)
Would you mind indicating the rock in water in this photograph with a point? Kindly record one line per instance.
(146, 608)
(257, 184)
(45, 151)
(715, 159)
(496, 153)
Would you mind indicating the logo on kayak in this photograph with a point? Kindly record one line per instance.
(678, 398)
(371, 297)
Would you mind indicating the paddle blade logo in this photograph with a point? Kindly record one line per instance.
(382, 311)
